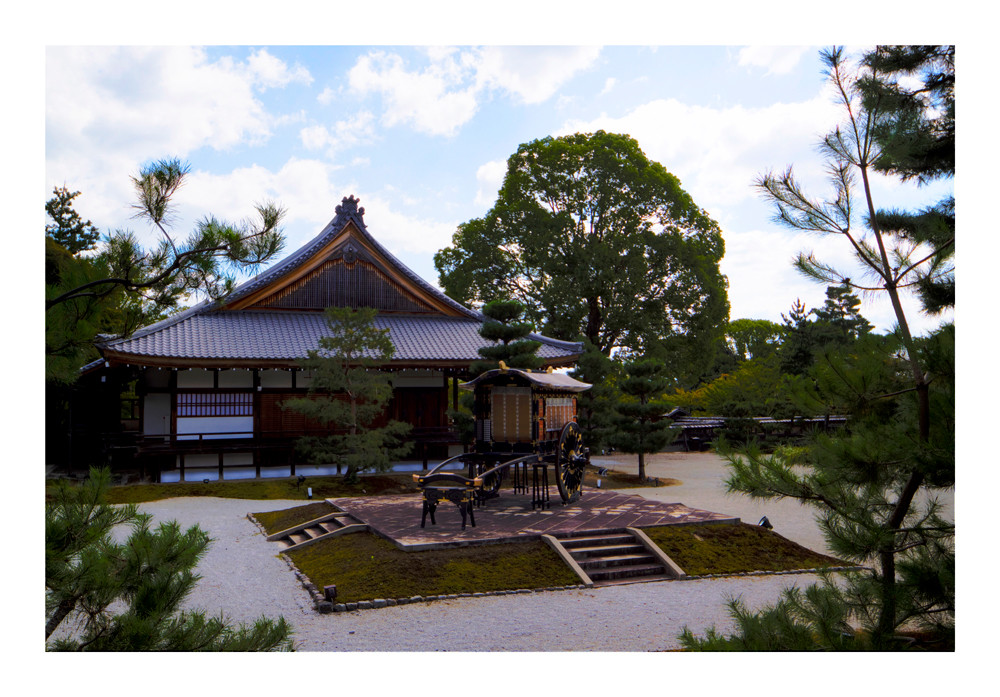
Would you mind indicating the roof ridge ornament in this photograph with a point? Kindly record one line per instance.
(350, 210)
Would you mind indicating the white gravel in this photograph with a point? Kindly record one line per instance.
(244, 578)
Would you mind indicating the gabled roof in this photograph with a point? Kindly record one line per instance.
(276, 317)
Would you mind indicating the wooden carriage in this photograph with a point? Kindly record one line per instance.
(525, 427)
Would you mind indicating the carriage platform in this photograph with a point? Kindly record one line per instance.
(511, 517)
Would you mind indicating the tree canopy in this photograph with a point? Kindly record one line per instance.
(348, 395)
(599, 242)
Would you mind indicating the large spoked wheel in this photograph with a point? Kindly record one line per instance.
(570, 462)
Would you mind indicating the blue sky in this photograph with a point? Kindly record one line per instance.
(421, 135)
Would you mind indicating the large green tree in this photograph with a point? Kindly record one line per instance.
(875, 484)
(348, 395)
(128, 594)
(754, 338)
(597, 241)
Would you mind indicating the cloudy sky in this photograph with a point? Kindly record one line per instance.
(421, 134)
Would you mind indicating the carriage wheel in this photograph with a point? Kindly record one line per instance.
(570, 463)
(491, 485)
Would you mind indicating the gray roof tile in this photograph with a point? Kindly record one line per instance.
(288, 336)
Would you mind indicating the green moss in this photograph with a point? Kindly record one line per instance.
(276, 521)
(364, 566)
(266, 489)
(725, 548)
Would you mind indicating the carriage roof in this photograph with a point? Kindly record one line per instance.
(555, 382)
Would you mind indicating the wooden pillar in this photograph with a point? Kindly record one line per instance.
(181, 456)
(255, 438)
(221, 466)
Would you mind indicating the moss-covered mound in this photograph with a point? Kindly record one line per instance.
(724, 548)
(363, 566)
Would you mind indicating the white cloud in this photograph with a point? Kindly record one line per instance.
(346, 133)
(269, 71)
(425, 100)
(445, 94)
(608, 85)
(717, 152)
(778, 60)
(109, 109)
(490, 177)
(534, 73)
(403, 234)
(327, 96)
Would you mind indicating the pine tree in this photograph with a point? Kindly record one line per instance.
(348, 394)
(128, 594)
(505, 324)
(67, 228)
(639, 424)
(916, 136)
(596, 406)
(900, 440)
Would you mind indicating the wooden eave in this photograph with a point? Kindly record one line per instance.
(116, 359)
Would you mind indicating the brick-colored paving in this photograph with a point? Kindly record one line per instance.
(510, 516)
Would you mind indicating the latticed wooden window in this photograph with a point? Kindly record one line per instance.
(214, 404)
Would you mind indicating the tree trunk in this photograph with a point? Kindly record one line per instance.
(65, 607)
(595, 321)
(642, 467)
(887, 555)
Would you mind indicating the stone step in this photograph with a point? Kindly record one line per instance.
(606, 550)
(626, 572)
(315, 531)
(573, 543)
(297, 537)
(598, 563)
(645, 578)
(565, 537)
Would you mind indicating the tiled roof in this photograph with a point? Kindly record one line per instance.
(288, 336)
(210, 332)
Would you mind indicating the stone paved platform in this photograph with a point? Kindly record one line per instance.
(510, 517)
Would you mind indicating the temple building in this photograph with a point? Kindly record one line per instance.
(204, 388)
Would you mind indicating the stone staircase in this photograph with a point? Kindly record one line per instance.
(611, 557)
(323, 528)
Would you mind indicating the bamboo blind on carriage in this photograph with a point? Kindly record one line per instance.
(510, 413)
(558, 412)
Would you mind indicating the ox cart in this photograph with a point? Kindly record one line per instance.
(525, 428)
